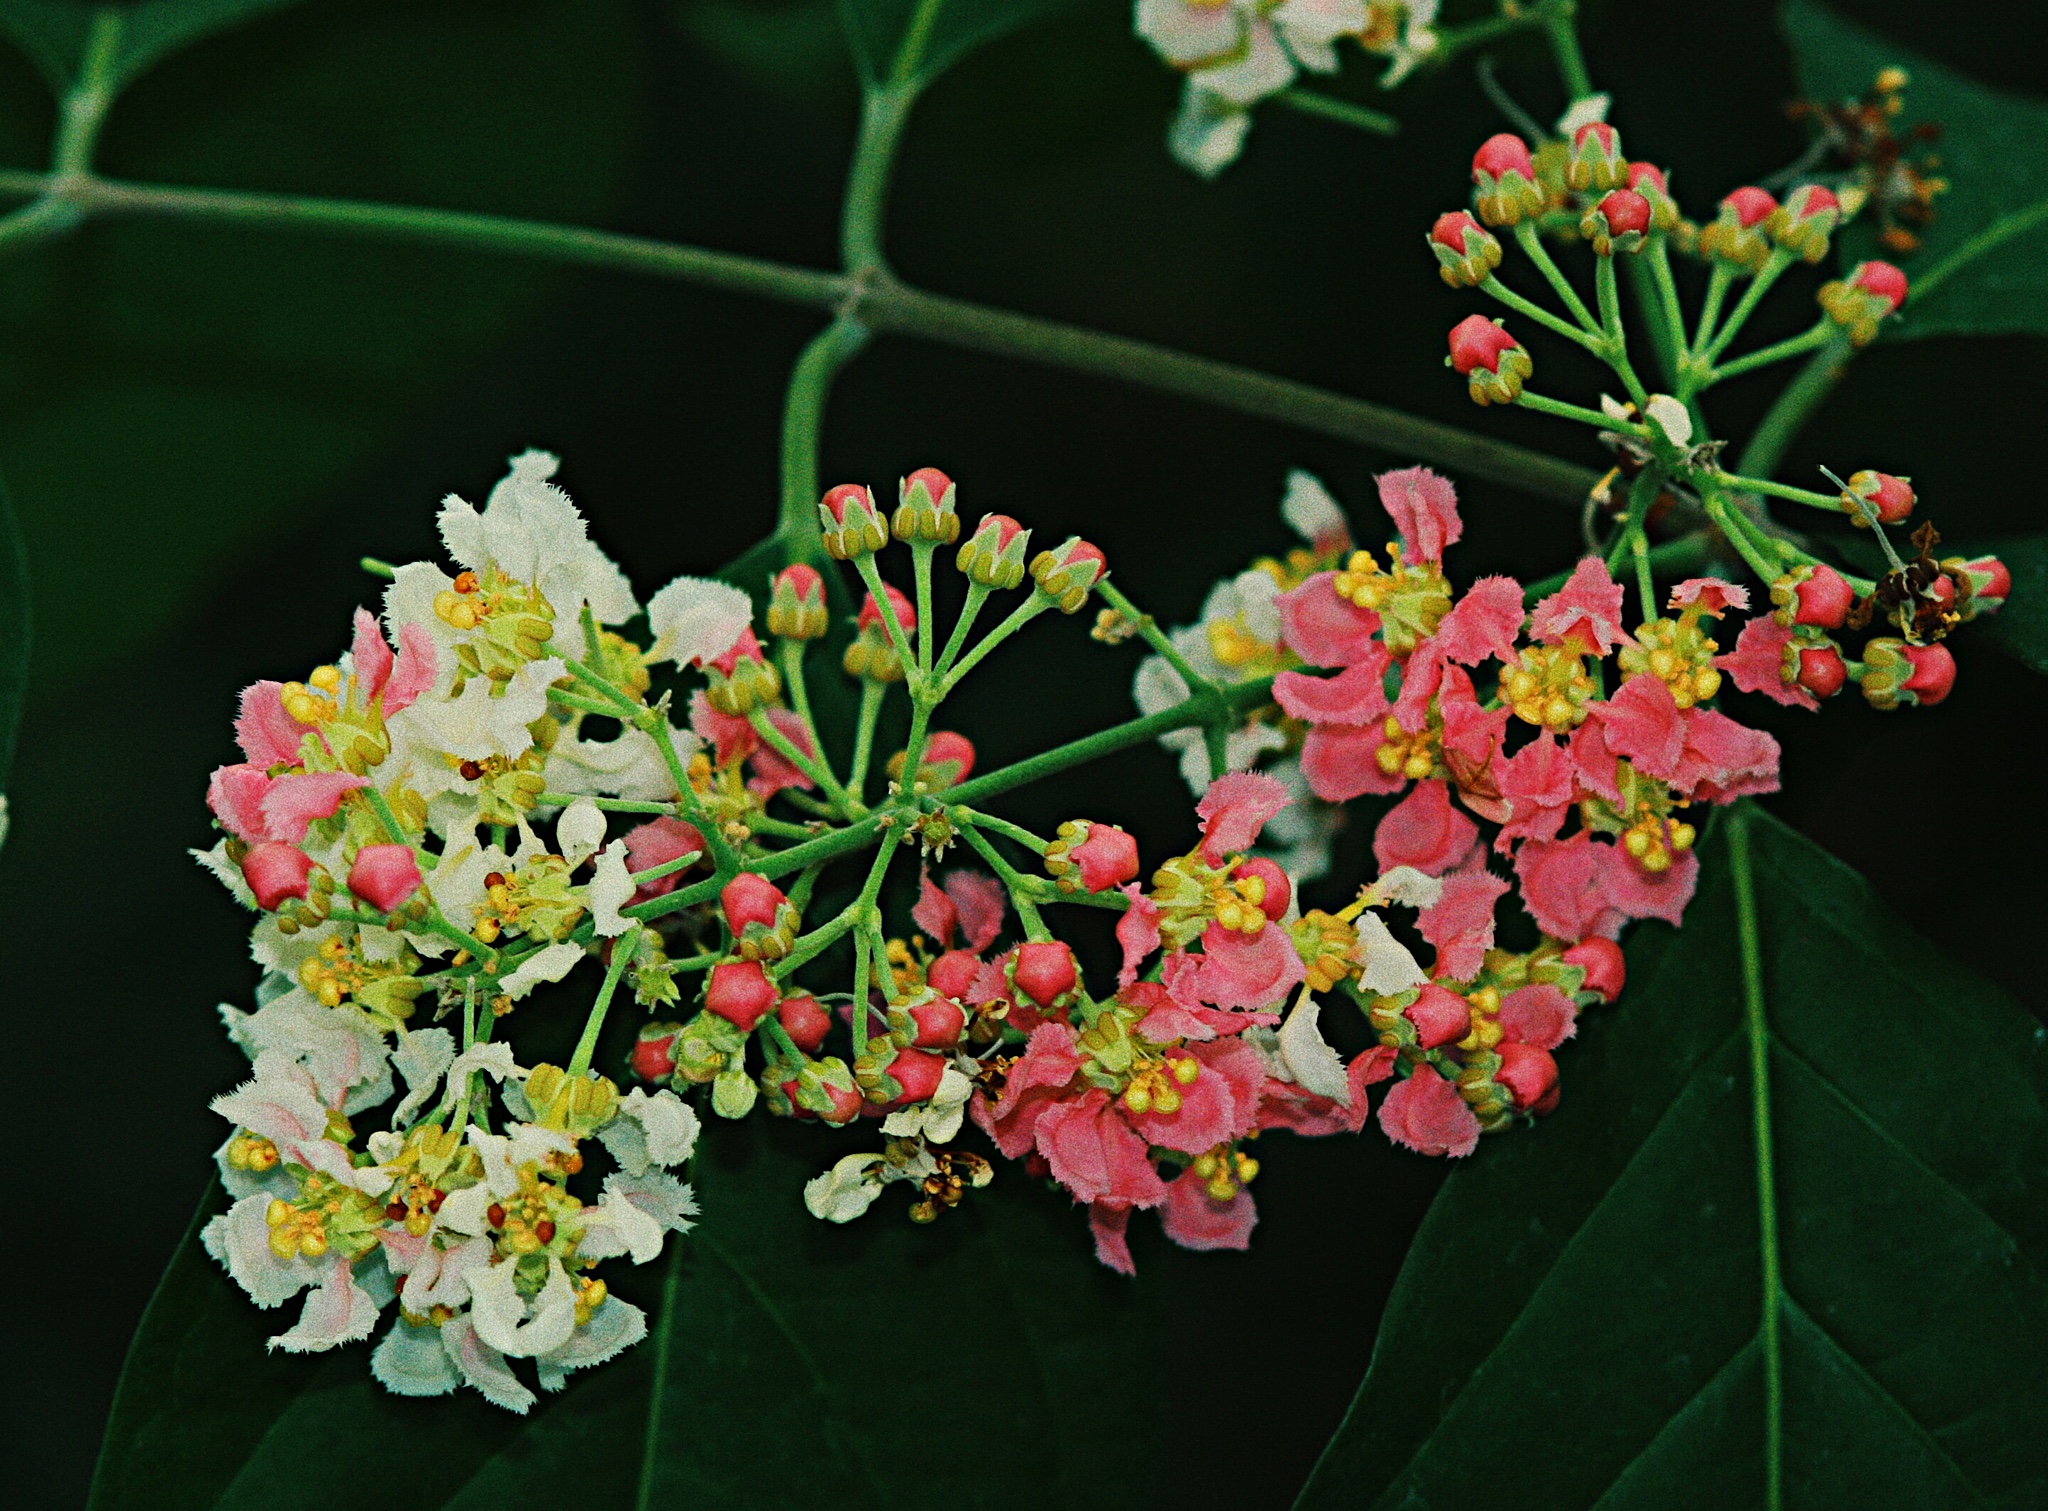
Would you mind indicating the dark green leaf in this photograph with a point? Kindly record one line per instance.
(1984, 265)
(865, 1361)
(55, 33)
(876, 29)
(2021, 627)
(1580, 1322)
(16, 625)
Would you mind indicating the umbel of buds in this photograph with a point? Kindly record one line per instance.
(1860, 302)
(925, 511)
(1878, 495)
(1618, 223)
(852, 525)
(1504, 181)
(1067, 573)
(1740, 234)
(1493, 363)
(796, 604)
(994, 554)
(1596, 161)
(1466, 252)
(1805, 221)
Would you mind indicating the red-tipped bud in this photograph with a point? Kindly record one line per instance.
(1045, 972)
(741, 680)
(796, 604)
(936, 1023)
(1890, 498)
(1504, 180)
(1989, 581)
(899, 609)
(1648, 180)
(276, 872)
(1895, 672)
(384, 876)
(1617, 224)
(805, 1021)
(1861, 302)
(842, 1103)
(953, 973)
(656, 843)
(749, 898)
(654, 1054)
(1934, 673)
(1274, 890)
(948, 757)
(1067, 573)
(1090, 857)
(851, 523)
(1816, 595)
(1440, 1016)
(1822, 670)
(1805, 221)
(1596, 161)
(1466, 252)
(1526, 1073)
(871, 653)
(994, 554)
(1605, 966)
(917, 1073)
(741, 993)
(1738, 234)
(925, 510)
(1491, 361)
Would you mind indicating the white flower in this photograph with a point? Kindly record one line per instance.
(338, 1311)
(487, 719)
(338, 1049)
(441, 1275)
(616, 1225)
(1389, 968)
(532, 533)
(483, 1368)
(1209, 133)
(579, 832)
(551, 963)
(938, 1119)
(1314, 515)
(412, 1361)
(282, 1103)
(456, 885)
(611, 888)
(613, 1328)
(1407, 887)
(696, 620)
(514, 1325)
(847, 1190)
(670, 1202)
(1584, 111)
(630, 766)
(660, 1129)
(1311, 1062)
(1310, 27)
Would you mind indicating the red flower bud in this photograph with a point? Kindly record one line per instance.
(384, 875)
(1440, 1016)
(899, 607)
(948, 757)
(1596, 161)
(1045, 972)
(1618, 223)
(1806, 220)
(1648, 180)
(1505, 177)
(1278, 888)
(1822, 599)
(805, 1021)
(1822, 671)
(994, 555)
(1890, 498)
(1526, 1073)
(740, 992)
(654, 1055)
(1882, 280)
(851, 523)
(1990, 585)
(952, 974)
(846, 1103)
(749, 898)
(1738, 234)
(1934, 673)
(796, 604)
(925, 510)
(1860, 303)
(1749, 205)
(1068, 573)
(917, 1073)
(1491, 360)
(1466, 252)
(1605, 966)
(1503, 153)
(939, 1021)
(1091, 857)
(275, 872)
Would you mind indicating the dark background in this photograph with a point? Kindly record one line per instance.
(204, 428)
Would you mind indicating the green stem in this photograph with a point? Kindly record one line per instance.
(1616, 352)
(655, 723)
(1792, 346)
(1495, 289)
(977, 595)
(1559, 26)
(1022, 894)
(1309, 102)
(2000, 230)
(785, 747)
(813, 944)
(603, 804)
(1718, 283)
(1738, 536)
(1758, 1029)
(803, 411)
(622, 953)
(1831, 502)
(899, 642)
(1641, 494)
(1583, 415)
(1793, 407)
(1149, 631)
(1752, 296)
(860, 912)
(791, 655)
(1531, 242)
(1016, 834)
(1658, 293)
(871, 695)
(927, 632)
(666, 868)
(1020, 616)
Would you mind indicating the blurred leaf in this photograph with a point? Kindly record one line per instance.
(55, 32)
(1976, 273)
(2021, 627)
(793, 50)
(875, 30)
(801, 1365)
(185, 390)
(1579, 1318)
(16, 626)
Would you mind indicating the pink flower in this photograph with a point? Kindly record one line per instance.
(400, 681)
(1040, 1074)
(1540, 1014)
(1483, 623)
(1220, 1104)
(967, 902)
(1423, 830)
(1426, 1114)
(656, 843)
(1424, 507)
(1538, 785)
(1235, 809)
(1323, 629)
(1724, 760)
(1586, 609)
(1460, 925)
(1636, 893)
(1194, 1219)
(1644, 723)
(1247, 970)
(1472, 738)
(1341, 762)
(1107, 858)
(255, 806)
(267, 734)
(1356, 695)
(1711, 595)
(1757, 664)
(384, 875)
(1137, 932)
(1095, 1153)
(1564, 885)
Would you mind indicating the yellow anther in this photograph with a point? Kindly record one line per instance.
(313, 1243)
(278, 1213)
(304, 706)
(1485, 1000)
(1185, 1069)
(457, 612)
(1247, 1167)
(1222, 1188)
(1205, 1166)
(327, 679)
(1138, 1098)
(1166, 1101)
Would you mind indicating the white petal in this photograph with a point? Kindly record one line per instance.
(1186, 34)
(628, 1229)
(422, 1056)
(500, 1314)
(613, 1328)
(1389, 968)
(484, 1367)
(1310, 1059)
(239, 1240)
(1615, 410)
(480, 723)
(411, 1362)
(441, 1275)
(1208, 134)
(1314, 515)
(1408, 887)
(1264, 69)
(845, 1191)
(550, 964)
(1672, 417)
(660, 1195)
(1157, 687)
(611, 888)
(225, 871)
(696, 620)
(579, 832)
(1583, 112)
(493, 1059)
(463, 1211)
(339, 1311)
(669, 1123)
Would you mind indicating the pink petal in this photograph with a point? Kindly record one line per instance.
(934, 912)
(1564, 885)
(1206, 1118)
(1641, 721)
(1423, 830)
(1243, 1069)
(1235, 808)
(1094, 1153)
(1426, 1114)
(1642, 894)
(1424, 508)
(978, 901)
(1356, 695)
(1725, 760)
(1757, 664)
(235, 794)
(1541, 1015)
(267, 734)
(1587, 607)
(1165, 1021)
(370, 655)
(1048, 1063)
(1472, 735)
(414, 673)
(1460, 926)
(1594, 762)
(1196, 1220)
(656, 843)
(1340, 762)
(1323, 629)
(732, 738)
(1137, 932)
(1247, 970)
(1537, 782)
(294, 802)
(772, 773)
(1712, 594)
(1484, 622)
(1420, 679)
(1108, 1224)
